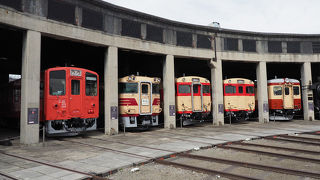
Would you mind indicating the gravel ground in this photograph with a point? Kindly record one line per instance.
(160, 172)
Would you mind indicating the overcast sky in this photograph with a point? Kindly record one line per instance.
(281, 16)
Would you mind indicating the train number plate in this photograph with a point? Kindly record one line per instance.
(74, 72)
(145, 102)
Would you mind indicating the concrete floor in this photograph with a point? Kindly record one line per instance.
(101, 154)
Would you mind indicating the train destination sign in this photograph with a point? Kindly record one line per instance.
(74, 72)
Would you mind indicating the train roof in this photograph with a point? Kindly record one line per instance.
(282, 80)
(192, 78)
(134, 78)
(68, 68)
(236, 81)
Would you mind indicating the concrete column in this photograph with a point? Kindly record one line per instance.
(262, 92)
(169, 100)
(30, 88)
(307, 95)
(217, 93)
(111, 91)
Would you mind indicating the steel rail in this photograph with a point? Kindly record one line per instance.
(302, 138)
(278, 147)
(276, 138)
(207, 171)
(7, 176)
(317, 161)
(55, 166)
(312, 133)
(253, 165)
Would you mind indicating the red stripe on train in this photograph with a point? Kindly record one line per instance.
(128, 102)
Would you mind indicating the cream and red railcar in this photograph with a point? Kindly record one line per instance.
(139, 101)
(239, 98)
(284, 98)
(193, 99)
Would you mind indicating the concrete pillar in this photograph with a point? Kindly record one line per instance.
(111, 91)
(262, 92)
(30, 88)
(217, 93)
(169, 100)
(307, 95)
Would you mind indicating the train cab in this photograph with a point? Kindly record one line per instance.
(71, 100)
(193, 99)
(284, 98)
(139, 101)
(239, 98)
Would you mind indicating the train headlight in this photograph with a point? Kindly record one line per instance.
(131, 78)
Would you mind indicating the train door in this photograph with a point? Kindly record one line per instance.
(196, 98)
(145, 98)
(75, 103)
(288, 102)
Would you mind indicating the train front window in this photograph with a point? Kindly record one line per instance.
(75, 87)
(91, 84)
(296, 90)
(250, 90)
(128, 87)
(286, 91)
(144, 89)
(230, 89)
(184, 89)
(57, 83)
(195, 89)
(277, 90)
(206, 89)
(155, 89)
(240, 88)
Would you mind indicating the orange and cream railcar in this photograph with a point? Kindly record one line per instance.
(193, 99)
(139, 101)
(239, 98)
(284, 98)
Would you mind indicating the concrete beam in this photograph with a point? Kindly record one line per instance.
(217, 93)
(111, 91)
(169, 100)
(30, 88)
(307, 95)
(262, 92)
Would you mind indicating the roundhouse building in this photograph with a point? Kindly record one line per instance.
(40, 34)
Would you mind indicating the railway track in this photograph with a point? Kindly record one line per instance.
(92, 176)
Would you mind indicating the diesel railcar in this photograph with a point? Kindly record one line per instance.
(69, 101)
(193, 99)
(284, 98)
(239, 98)
(139, 101)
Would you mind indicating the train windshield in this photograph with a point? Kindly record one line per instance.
(240, 89)
(155, 89)
(296, 90)
(91, 84)
(277, 90)
(184, 89)
(230, 89)
(249, 89)
(57, 82)
(206, 89)
(128, 87)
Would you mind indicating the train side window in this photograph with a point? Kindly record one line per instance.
(286, 91)
(249, 90)
(155, 89)
(240, 89)
(57, 82)
(144, 89)
(128, 87)
(206, 89)
(184, 89)
(195, 89)
(277, 90)
(230, 89)
(296, 90)
(75, 87)
(91, 84)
